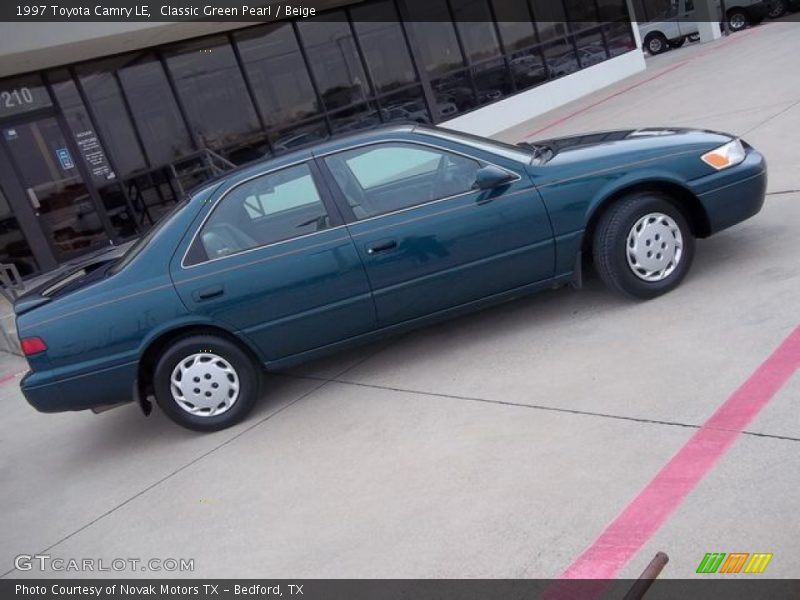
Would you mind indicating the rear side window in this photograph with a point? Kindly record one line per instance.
(272, 208)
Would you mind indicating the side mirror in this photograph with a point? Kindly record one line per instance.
(490, 176)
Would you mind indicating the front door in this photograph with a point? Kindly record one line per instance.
(429, 239)
(48, 173)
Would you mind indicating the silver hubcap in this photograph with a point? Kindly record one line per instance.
(738, 21)
(655, 247)
(655, 45)
(204, 384)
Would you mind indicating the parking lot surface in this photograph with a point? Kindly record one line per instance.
(501, 444)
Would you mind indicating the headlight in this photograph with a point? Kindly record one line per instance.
(729, 155)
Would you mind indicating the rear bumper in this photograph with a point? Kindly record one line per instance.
(731, 196)
(110, 386)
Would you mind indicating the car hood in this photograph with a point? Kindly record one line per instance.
(605, 149)
(602, 154)
(626, 140)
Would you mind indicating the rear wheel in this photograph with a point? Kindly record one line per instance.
(738, 19)
(656, 43)
(643, 245)
(206, 383)
(777, 8)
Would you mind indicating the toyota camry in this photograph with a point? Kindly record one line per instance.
(300, 255)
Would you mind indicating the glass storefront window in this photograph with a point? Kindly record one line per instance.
(289, 139)
(363, 116)
(406, 105)
(334, 60)
(384, 46)
(213, 92)
(619, 38)
(102, 90)
(434, 37)
(454, 94)
(14, 247)
(277, 72)
(550, 19)
(582, 14)
(514, 22)
(154, 108)
(492, 81)
(561, 58)
(93, 154)
(478, 35)
(55, 187)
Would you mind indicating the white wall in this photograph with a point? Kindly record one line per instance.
(512, 111)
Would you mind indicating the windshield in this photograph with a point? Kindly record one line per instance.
(507, 150)
(142, 242)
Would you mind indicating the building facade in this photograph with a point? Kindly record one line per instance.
(97, 140)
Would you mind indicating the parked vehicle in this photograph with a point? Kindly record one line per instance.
(679, 22)
(356, 238)
(778, 8)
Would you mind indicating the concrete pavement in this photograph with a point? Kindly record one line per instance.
(496, 445)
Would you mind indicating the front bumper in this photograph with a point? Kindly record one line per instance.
(733, 195)
(107, 387)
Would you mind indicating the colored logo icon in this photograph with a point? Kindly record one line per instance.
(735, 562)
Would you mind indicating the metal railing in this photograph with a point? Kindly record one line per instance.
(10, 281)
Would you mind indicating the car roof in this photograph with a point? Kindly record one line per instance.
(324, 146)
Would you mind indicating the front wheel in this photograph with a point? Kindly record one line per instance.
(643, 246)
(656, 43)
(206, 383)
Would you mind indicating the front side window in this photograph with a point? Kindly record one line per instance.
(384, 178)
(272, 208)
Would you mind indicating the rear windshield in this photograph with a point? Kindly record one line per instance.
(142, 242)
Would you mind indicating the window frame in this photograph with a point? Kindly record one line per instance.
(323, 189)
(341, 198)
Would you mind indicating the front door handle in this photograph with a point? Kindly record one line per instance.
(381, 246)
(209, 292)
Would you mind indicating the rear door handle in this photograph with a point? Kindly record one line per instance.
(381, 246)
(209, 292)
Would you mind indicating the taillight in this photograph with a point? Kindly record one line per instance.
(32, 345)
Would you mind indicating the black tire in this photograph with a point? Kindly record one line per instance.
(610, 245)
(777, 8)
(677, 43)
(656, 43)
(738, 20)
(244, 369)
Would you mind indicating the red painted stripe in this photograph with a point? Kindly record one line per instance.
(11, 377)
(740, 36)
(604, 100)
(626, 534)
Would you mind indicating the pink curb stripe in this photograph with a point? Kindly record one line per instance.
(648, 511)
(11, 377)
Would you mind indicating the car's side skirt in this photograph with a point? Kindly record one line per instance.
(462, 309)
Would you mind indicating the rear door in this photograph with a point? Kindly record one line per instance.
(428, 238)
(273, 261)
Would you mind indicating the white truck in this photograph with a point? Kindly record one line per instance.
(679, 22)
